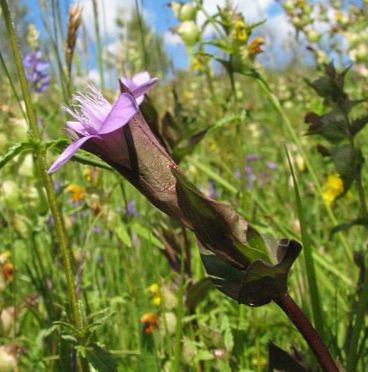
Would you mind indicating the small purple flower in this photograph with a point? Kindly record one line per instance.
(37, 71)
(98, 124)
(139, 84)
(212, 192)
(271, 165)
(130, 210)
(250, 176)
(252, 157)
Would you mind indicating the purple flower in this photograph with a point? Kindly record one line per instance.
(252, 157)
(212, 192)
(98, 124)
(37, 71)
(139, 84)
(250, 176)
(130, 209)
(271, 165)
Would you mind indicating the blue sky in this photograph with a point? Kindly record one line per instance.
(161, 18)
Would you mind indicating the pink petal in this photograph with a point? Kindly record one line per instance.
(123, 110)
(141, 90)
(77, 127)
(141, 78)
(68, 153)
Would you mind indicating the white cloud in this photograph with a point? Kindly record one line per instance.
(170, 38)
(108, 12)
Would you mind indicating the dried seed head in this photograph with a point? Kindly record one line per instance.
(74, 21)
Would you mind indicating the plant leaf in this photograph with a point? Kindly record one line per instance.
(13, 151)
(100, 358)
(280, 360)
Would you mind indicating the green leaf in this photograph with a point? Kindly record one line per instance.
(186, 147)
(358, 124)
(100, 358)
(238, 259)
(280, 360)
(348, 162)
(348, 225)
(332, 126)
(13, 151)
(196, 292)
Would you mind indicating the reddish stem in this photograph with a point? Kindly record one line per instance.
(304, 326)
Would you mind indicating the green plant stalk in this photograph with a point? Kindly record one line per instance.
(296, 315)
(12, 86)
(98, 43)
(276, 104)
(141, 33)
(41, 163)
(353, 352)
(180, 316)
(308, 260)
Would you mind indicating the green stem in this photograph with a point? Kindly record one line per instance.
(276, 104)
(353, 353)
(308, 260)
(141, 33)
(180, 316)
(98, 43)
(46, 179)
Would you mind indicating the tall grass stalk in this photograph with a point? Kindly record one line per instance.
(98, 43)
(308, 258)
(276, 104)
(46, 179)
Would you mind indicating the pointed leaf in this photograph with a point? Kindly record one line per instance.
(280, 360)
(100, 358)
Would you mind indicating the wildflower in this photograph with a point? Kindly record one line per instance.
(77, 192)
(8, 359)
(87, 173)
(255, 46)
(8, 271)
(212, 192)
(332, 188)
(241, 33)
(37, 71)
(98, 122)
(187, 12)
(189, 32)
(32, 36)
(155, 292)
(271, 165)
(149, 322)
(139, 84)
(130, 209)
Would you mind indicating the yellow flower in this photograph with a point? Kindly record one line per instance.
(332, 188)
(87, 173)
(156, 300)
(149, 322)
(241, 33)
(155, 291)
(255, 46)
(77, 192)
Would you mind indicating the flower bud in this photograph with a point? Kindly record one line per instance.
(189, 32)
(313, 36)
(19, 129)
(187, 12)
(8, 361)
(10, 193)
(26, 168)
